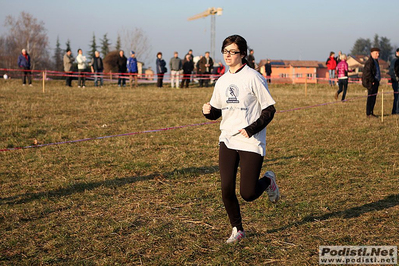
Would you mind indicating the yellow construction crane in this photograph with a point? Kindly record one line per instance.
(210, 12)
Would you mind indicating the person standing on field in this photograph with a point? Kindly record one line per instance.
(342, 73)
(394, 73)
(24, 64)
(161, 69)
(175, 68)
(331, 64)
(122, 68)
(97, 67)
(241, 97)
(268, 71)
(371, 80)
(188, 67)
(68, 62)
(81, 59)
(251, 59)
(205, 66)
(133, 69)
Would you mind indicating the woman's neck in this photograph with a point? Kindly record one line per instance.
(235, 68)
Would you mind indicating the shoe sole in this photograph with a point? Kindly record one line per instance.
(272, 175)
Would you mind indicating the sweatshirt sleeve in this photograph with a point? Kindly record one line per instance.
(265, 118)
(214, 114)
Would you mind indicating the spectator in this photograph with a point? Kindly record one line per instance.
(188, 67)
(175, 68)
(342, 73)
(268, 71)
(190, 53)
(97, 67)
(205, 65)
(394, 73)
(68, 62)
(24, 64)
(122, 68)
(371, 80)
(133, 69)
(81, 59)
(331, 65)
(161, 69)
(251, 59)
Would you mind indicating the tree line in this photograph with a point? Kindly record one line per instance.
(29, 33)
(362, 47)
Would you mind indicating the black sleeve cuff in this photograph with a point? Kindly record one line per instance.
(265, 118)
(214, 114)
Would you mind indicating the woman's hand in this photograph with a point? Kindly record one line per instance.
(206, 108)
(243, 132)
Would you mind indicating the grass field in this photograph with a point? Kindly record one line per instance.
(155, 199)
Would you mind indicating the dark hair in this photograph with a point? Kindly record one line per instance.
(159, 53)
(79, 50)
(68, 50)
(240, 42)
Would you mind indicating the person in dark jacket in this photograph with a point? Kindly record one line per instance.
(251, 59)
(122, 68)
(24, 64)
(205, 66)
(161, 69)
(268, 71)
(394, 73)
(97, 67)
(188, 67)
(371, 80)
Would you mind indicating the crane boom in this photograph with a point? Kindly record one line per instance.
(210, 11)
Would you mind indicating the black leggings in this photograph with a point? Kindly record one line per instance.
(251, 187)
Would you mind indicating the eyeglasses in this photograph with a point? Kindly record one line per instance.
(231, 52)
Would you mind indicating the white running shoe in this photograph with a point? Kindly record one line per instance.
(272, 190)
(236, 236)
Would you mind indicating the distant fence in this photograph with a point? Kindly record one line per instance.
(151, 78)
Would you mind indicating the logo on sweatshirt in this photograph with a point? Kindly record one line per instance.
(232, 94)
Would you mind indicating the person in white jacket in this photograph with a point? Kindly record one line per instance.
(81, 59)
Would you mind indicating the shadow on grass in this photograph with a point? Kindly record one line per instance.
(388, 202)
(82, 187)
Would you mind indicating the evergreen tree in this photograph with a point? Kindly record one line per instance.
(93, 47)
(105, 44)
(386, 48)
(361, 47)
(376, 42)
(118, 43)
(58, 56)
(68, 45)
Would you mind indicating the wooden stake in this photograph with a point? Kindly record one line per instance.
(382, 105)
(306, 86)
(44, 77)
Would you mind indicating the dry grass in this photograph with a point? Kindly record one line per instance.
(154, 198)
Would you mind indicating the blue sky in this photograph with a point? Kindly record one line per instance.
(291, 29)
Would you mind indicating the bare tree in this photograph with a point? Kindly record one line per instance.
(136, 40)
(29, 33)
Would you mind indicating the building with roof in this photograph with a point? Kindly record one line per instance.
(296, 71)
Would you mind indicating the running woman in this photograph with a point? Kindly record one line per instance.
(241, 97)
